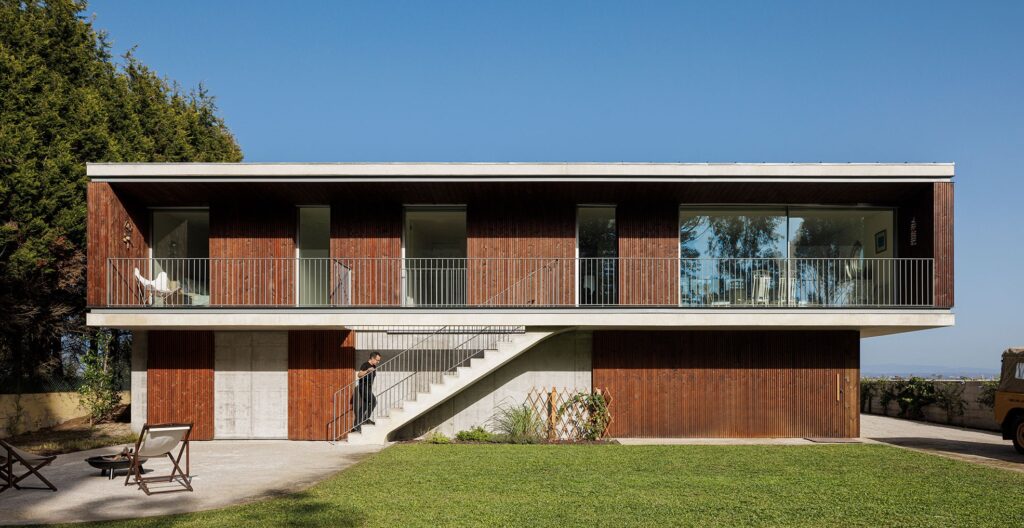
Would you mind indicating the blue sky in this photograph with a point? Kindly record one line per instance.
(637, 81)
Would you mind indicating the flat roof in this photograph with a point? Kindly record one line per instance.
(511, 171)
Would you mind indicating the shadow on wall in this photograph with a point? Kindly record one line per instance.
(561, 361)
(22, 413)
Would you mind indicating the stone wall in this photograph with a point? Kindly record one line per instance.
(976, 416)
(41, 410)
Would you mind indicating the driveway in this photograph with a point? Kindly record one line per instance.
(971, 445)
(224, 473)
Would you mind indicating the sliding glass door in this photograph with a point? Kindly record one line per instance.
(180, 252)
(597, 242)
(435, 256)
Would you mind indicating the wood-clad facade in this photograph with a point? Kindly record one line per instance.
(649, 243)
(366, 238)
(319, 363)
(942, 220)
(115, 228)
(180, 379)
(252, 247)
(519, 253)
(714, 384)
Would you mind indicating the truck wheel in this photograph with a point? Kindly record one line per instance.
(1018, 436)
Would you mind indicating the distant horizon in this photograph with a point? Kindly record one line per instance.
(660, 82)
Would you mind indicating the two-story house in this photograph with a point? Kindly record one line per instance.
(707, 300)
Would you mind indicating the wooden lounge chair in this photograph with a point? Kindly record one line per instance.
(11, 457)
(159, 440)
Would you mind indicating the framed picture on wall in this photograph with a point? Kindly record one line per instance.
(881, 242)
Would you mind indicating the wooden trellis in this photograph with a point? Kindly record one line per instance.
(565, 420)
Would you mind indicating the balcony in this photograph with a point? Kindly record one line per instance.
(341, 282)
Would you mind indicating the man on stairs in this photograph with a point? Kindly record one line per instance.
(364, 400)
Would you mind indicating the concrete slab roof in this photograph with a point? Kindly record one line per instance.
(582, 171)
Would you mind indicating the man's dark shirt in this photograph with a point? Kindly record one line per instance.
(366, 382)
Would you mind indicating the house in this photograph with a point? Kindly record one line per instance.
(708, 300)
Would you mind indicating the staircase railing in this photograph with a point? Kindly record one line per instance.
(412, 371)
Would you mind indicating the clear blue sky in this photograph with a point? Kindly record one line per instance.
(637, 81)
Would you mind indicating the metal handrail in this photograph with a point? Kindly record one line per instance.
(528, 282)
(417, 367)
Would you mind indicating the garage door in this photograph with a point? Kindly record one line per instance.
(729, 383)
(251, 385)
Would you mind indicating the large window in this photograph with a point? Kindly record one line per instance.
(181, 249)
(785, 255)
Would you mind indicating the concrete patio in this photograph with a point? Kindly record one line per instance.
(224, 473)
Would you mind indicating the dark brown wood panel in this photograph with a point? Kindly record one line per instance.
(252, 252)
(114, 229)
(943, 244)
(521, 253)
(179, 380)
(718, 384)
(366, 239)
(360, 194)
(649, 248)
(319, 363)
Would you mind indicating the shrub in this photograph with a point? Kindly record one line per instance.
(437, 437)
(98, 392)
(476, 434)
(949, 396)
(518, 424)
(987, 393)
(912, 395)
(869, 388)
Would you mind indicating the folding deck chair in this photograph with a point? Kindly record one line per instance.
(11, 456)
(159, 440)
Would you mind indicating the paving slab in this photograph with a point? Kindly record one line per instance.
(224, 473)
(971, 445)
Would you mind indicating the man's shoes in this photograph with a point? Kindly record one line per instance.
(357, 429)
(370, 422)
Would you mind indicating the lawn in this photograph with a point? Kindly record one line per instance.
(595, 485)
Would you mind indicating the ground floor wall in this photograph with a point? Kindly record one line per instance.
(237, 384)
(730, 384)
(563, 361)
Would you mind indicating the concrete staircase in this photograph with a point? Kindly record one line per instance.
(437, 393)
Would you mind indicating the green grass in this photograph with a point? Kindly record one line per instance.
(611, 485)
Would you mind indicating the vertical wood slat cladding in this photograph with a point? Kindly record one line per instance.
(648, 246)
(367, 238)
(730, 384)
(262, 239)
(105, 231)
(521, 253)
(943, 243)
(179, 380)
(319, 363)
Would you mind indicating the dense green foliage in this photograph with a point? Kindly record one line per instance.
(65, 101)
(611, 485)
(98, 393)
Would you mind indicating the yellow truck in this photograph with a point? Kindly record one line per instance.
(1009, 406)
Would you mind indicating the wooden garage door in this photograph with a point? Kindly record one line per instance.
(319, 363)
(730, 384)
(180, 380)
